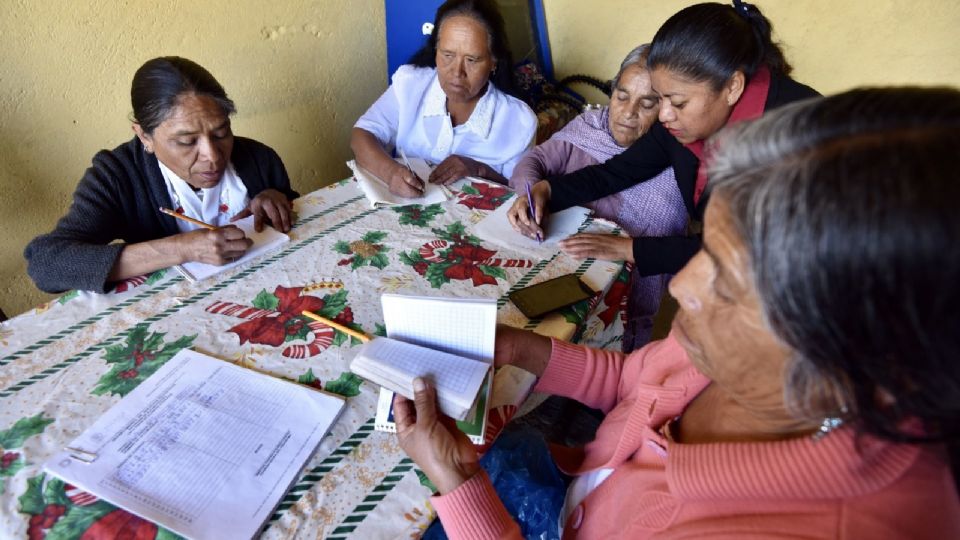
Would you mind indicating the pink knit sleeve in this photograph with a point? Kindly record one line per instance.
(590, 376)
(473, 511)
(547, 159)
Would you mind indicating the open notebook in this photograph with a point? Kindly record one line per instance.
(202, 447)
(496, 229)
(264, 241)
(394, 365)
(465, 327)
(378, 192)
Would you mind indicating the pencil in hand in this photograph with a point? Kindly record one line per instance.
(188, 219)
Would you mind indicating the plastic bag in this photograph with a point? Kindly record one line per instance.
(528, 482)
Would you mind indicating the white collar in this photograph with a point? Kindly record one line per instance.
(481, 119)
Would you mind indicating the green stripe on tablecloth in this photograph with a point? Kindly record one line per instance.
(579, 272)
(142, 296)
(192, 300)
(87, 322)
(362, 510)
(314, 475)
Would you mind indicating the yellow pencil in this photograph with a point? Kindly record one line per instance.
(337, 326)
(170, 212)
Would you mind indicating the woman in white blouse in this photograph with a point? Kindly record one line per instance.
(446, 106)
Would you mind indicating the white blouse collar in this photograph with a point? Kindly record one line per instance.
(480, 121)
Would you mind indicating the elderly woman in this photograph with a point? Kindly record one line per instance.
(184, 157)
(449, 106)
(811, 373)
(711, 65)
(651, 208)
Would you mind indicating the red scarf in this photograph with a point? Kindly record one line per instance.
(750, 106)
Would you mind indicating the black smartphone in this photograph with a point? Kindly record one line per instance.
(538, 300)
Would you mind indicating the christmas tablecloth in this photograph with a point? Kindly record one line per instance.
(66, 362)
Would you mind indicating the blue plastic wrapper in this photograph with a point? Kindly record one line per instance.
(527, 481)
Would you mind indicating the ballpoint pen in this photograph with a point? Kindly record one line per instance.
(532, 210)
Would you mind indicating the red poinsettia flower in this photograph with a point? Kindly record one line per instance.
(489, 198)
(467, 269)
(272, 330)
(614, 300)
(469, 252)
(120, 524)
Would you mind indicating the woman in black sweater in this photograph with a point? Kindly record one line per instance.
(184, 157)
(712, 65)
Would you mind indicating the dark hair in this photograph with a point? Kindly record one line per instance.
(848, 207)
(709, 42)
(160, 82)
(486, 13)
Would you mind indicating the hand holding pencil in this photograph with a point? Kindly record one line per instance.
(209, 244)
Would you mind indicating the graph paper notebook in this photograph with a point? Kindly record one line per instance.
(464, 327)
(202, 447)
(394, 365)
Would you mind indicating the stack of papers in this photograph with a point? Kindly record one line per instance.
(203, 447)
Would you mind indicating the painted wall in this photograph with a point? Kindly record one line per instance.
(833, 46)
(301, 72)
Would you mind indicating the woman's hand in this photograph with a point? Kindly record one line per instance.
(607, 247)
(521, 348)
(270, 204)
(456, 167)
(217, 246)
(432, 440)
(405, 183)
(519, 214)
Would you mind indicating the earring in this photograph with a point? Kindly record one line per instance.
(829, 424)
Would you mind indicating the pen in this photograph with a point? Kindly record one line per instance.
(406, 163)
(337, 326)
(188, 219)
(533, 211)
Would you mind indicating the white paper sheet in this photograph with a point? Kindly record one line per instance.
(378, 193)
(496, 228)
(264, 241)
(202, 447)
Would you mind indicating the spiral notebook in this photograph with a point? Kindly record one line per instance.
(464, 327)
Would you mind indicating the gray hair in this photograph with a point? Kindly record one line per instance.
(636, 57)
(847, 207)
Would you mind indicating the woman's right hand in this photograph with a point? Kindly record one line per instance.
(521, 348)
(405, 183)
(213, 246)
(519, 214)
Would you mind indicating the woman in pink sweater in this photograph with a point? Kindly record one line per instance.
(811, 374)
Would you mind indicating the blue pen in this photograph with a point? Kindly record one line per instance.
(533, 211)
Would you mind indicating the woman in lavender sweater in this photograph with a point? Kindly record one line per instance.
(653, 208)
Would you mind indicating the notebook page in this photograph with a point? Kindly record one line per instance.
(263, 241)
(496, 229)
(465, 327)
(378, 193)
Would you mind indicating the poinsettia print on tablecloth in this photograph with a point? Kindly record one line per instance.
(276, 319)
(456, 255)
(483, 196)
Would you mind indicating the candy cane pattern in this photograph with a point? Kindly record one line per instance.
(78, 496)
(430, 250)
(430, 253)
(130, 283)
(322, 334)
(322, 338)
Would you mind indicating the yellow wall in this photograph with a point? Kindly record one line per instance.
(833, 45)
(301, 72)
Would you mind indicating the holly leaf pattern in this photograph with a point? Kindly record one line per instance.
(418, 215)
(23, 428)
(266, 300)
(435, 274)
(156, 276)
(374, 236)
(333, 304)
(424, 481)
(342, 247)
(470, 190)
(379, 260)
(493, 271)
(380, 330)
(78, 519)
(55, 492)
(346, 385)
(31, 502)
(68, 297)
(12, 469)
(576, 313)
(140, 357)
